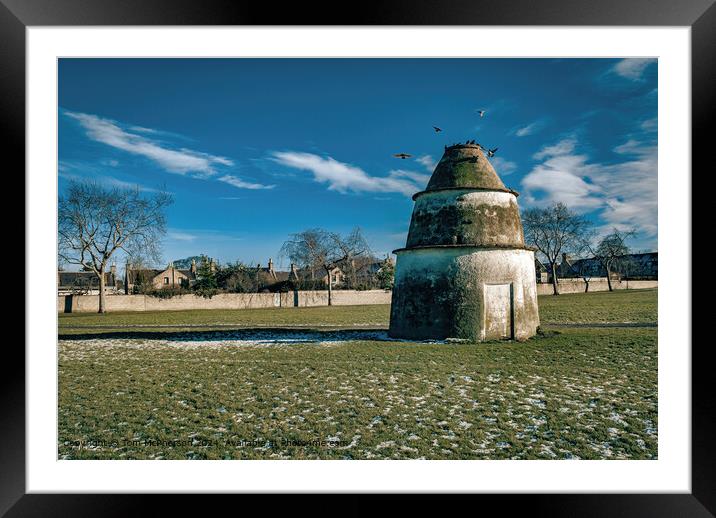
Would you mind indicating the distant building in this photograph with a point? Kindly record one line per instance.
(87, 283)
(270, 280)
(631, 266)
(541, 271)
(358, 272)
(169, 277)
(298, 278)
(366, 271)
(267, 278)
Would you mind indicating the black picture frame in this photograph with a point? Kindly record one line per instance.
(700, 15)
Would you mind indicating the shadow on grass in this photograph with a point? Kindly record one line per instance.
(258, 335)
(278, 335)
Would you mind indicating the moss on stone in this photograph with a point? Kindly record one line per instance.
(466, 224)
(465, 167)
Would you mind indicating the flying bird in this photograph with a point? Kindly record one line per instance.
(402, 156)
(491, 152)
(437, 130)
(481, 112)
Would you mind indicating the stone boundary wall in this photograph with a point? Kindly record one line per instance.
(578, 285)
(90, 303)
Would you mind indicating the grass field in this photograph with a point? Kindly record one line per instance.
(587, 392)
(601, 306)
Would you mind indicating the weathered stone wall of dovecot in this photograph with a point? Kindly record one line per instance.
(454, 279)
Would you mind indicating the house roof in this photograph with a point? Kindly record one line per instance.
(83, 279)
(648, 262)
(539, 266)
(147, 274)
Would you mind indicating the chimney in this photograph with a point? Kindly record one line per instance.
(192, 268)
(113, 270)
(270, 265)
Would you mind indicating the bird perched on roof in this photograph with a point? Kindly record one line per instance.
(481, 112)
(491, 152)
(402, 156)
(437, 130)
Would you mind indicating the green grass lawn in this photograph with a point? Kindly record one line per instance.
(599, 307)
(582, 393)
(587, 392)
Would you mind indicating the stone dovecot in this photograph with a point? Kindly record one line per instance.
(465, 271)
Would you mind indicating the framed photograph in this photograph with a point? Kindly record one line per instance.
(411, 251)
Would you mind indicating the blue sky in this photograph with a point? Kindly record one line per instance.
(256, 149)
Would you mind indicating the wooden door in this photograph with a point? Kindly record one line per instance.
(498, 312)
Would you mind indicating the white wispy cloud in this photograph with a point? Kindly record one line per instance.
(632, 68)
(650, 124)
(180, 236)
(561, 178)
(529, 129)
(343, 177)
(175, 160)
(502, 166)
(179, 161)
(624, 193)
(563, 147)
(427, 161)
(633, 147)
(142, 129)
(241, 184)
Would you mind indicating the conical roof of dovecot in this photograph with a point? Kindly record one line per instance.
(465, 166)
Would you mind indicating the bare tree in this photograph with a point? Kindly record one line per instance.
(319, 249)
(611, 249)
(94, 223)
(627, 267)
(552, 230)
(582, 252)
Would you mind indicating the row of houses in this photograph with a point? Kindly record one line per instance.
(644, 266)
(267, 277)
